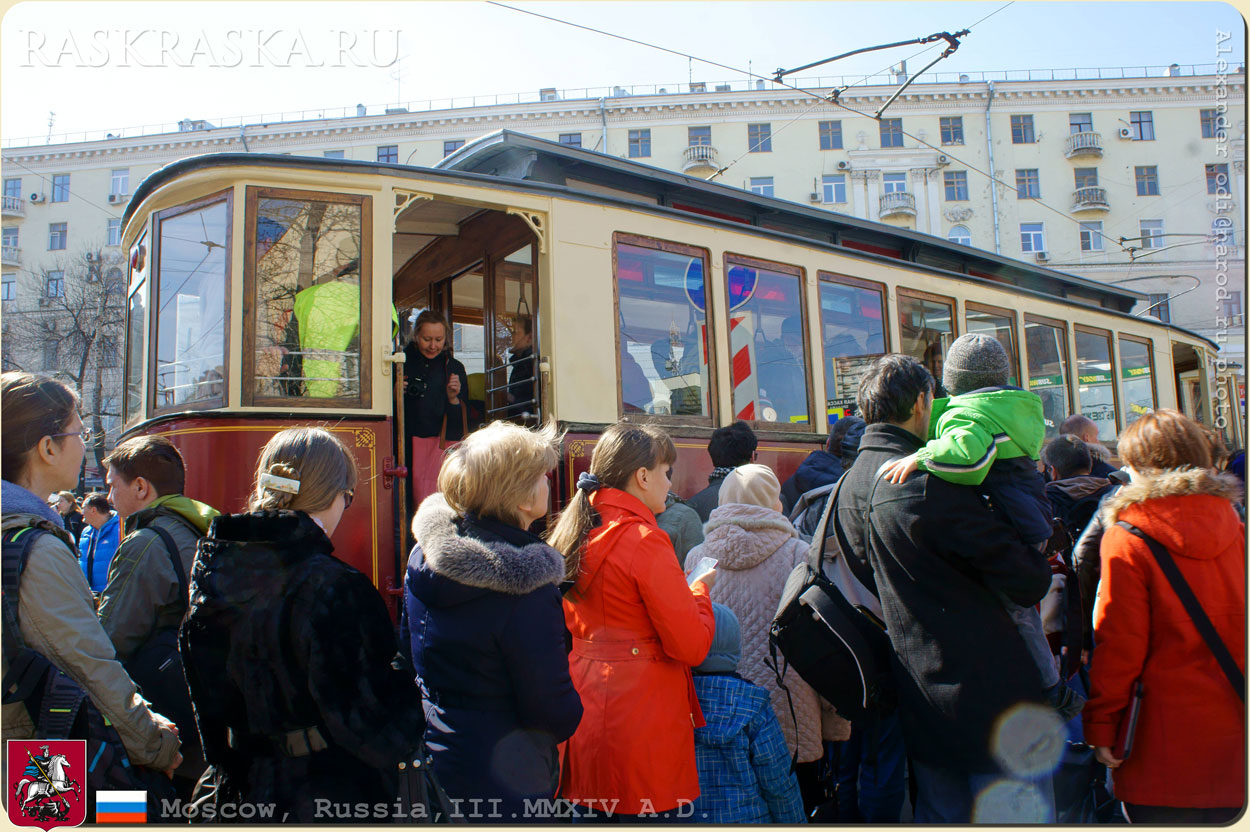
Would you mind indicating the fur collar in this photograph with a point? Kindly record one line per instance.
(1099, 451)
(498, 565)
(1177, 482)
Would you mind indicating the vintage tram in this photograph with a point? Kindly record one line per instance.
(263, 292)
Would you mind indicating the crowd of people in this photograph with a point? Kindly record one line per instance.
(617, 668)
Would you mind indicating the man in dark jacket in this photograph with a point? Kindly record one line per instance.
(730, 447)
(969, 693)
(824, 466)
(1074, 491)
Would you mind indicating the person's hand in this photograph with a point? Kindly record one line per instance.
(899, 470)
(169, 772)
(708, 578)
(1102, 753)
(164, 723)
(453, 389)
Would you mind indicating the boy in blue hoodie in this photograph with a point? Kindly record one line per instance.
(741, 754)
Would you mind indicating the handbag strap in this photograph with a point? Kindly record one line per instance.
(1190, 601)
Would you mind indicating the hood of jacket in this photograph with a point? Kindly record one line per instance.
(1076, 489)
(729, 704)
(820, 468)
(14, 499)
(1188, 510)
(743, 536)
(199, 515)
(461, 558)
(1001, 410)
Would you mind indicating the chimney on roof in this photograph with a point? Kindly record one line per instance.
(1174, 70)
(548, 94)
(900, 72)
(360, 111)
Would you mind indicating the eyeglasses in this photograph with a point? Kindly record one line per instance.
(348, 496)
(85, 433)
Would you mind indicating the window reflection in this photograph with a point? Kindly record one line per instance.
(926, 328)
(1047, 352)
(1000, 326)
(852, 320)
(1136, 379)
(766, 345)
(1096, 386)
(136, 347)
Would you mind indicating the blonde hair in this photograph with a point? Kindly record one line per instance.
(313, 456)
(495, 469)
(621, 451)
(68, 495)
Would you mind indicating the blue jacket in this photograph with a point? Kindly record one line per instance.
(741, 754)
(96, 550)
(486, 627)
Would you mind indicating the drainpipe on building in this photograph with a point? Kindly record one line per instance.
(989, 145)
(603, 118)
(243, 138)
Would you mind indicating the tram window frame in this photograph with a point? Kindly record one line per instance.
(730, 259)
(1114, 364)
(1068, 367)
(987, 309)
(138, 264)
(1150, 357)
(901, 292)
(883, 290)
(709, 315)
(253, 195)
(153, 311)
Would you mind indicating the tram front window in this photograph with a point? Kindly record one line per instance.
(1047, 350)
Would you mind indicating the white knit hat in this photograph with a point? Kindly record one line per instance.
(753, 484)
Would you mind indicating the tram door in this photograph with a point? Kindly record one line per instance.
(1190, 382)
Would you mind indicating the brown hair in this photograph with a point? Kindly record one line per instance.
(152, 457)
(68, 495)
(495, 469)
(619, 453)
(34, 407)
(1165, 439)
(314, 457)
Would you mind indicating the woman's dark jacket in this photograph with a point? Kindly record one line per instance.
(488, 644)
(283, 636)
(425, 394)
(74, 523)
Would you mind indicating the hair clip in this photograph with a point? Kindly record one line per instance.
(588, 482)
(271, 482)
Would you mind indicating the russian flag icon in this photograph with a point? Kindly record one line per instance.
(121, 807)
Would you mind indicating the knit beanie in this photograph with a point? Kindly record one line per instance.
(753, 484)
(726, 647)
(974, 361)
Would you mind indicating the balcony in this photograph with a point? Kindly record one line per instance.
(1089, 199)
(898, 204)
(13, 206)
(699, 157)
(1086, 145)
(10, 256)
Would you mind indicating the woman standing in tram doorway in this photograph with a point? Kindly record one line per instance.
(637, 631)
(436, 410)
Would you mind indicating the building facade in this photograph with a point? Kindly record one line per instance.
(1136, 178)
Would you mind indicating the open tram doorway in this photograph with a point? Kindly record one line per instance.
(1193, 396)
(477, 269)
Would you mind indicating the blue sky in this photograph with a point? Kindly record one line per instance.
(471, 48)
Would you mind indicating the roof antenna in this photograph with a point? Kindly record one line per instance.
(51, 121)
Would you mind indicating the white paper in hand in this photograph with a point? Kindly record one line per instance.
(701, 568)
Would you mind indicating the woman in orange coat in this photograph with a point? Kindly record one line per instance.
(1188, 762)
(637, 630)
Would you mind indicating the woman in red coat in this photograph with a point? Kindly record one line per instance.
(1188, 759)
(637, 630)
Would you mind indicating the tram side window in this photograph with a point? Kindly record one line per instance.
(1136, 379)
(663, 329)
(852, 321)
(513, 376)
(306, 283)
(1047, 350)
(767, 344)
(136, 348)
(927, 329)
(1000, 325)
(1096, 385)
(190, 298)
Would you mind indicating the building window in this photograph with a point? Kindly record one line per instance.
(639, 144)
(1142, 125)
(60, 187)
(759, 138)
(834, 187)
(1159, 307)
(1212, 124)
(1222, 231)
(571, 139)
(1032, 238)
(58, 236)
(51, 347)
(1091, 236)
(952, 129)
(1151, 233)
(831, 135)
(762, 185)
(1147, 180)
(1028, 185)
(960, 234)
(699, 136)
(1022, 130)
(388, 153)
(891, 132)
(1086, 177)
(8, 288)
(450, 147)
(334, 154)
(9, 236)
(1217, 179)
(13, 188)
(1080, 123)
(114, 232)
(1230, 307)
(894, 183)
(54, 284)
(956, 185)
(120, 181)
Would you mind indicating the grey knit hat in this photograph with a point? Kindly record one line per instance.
(974, 361)
(726, 647)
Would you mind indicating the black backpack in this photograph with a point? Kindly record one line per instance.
(838, 645)
(58, 705)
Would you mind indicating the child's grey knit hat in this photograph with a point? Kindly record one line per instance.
(974, 361)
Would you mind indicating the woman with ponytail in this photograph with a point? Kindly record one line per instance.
(288, 649)
(637, 630)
